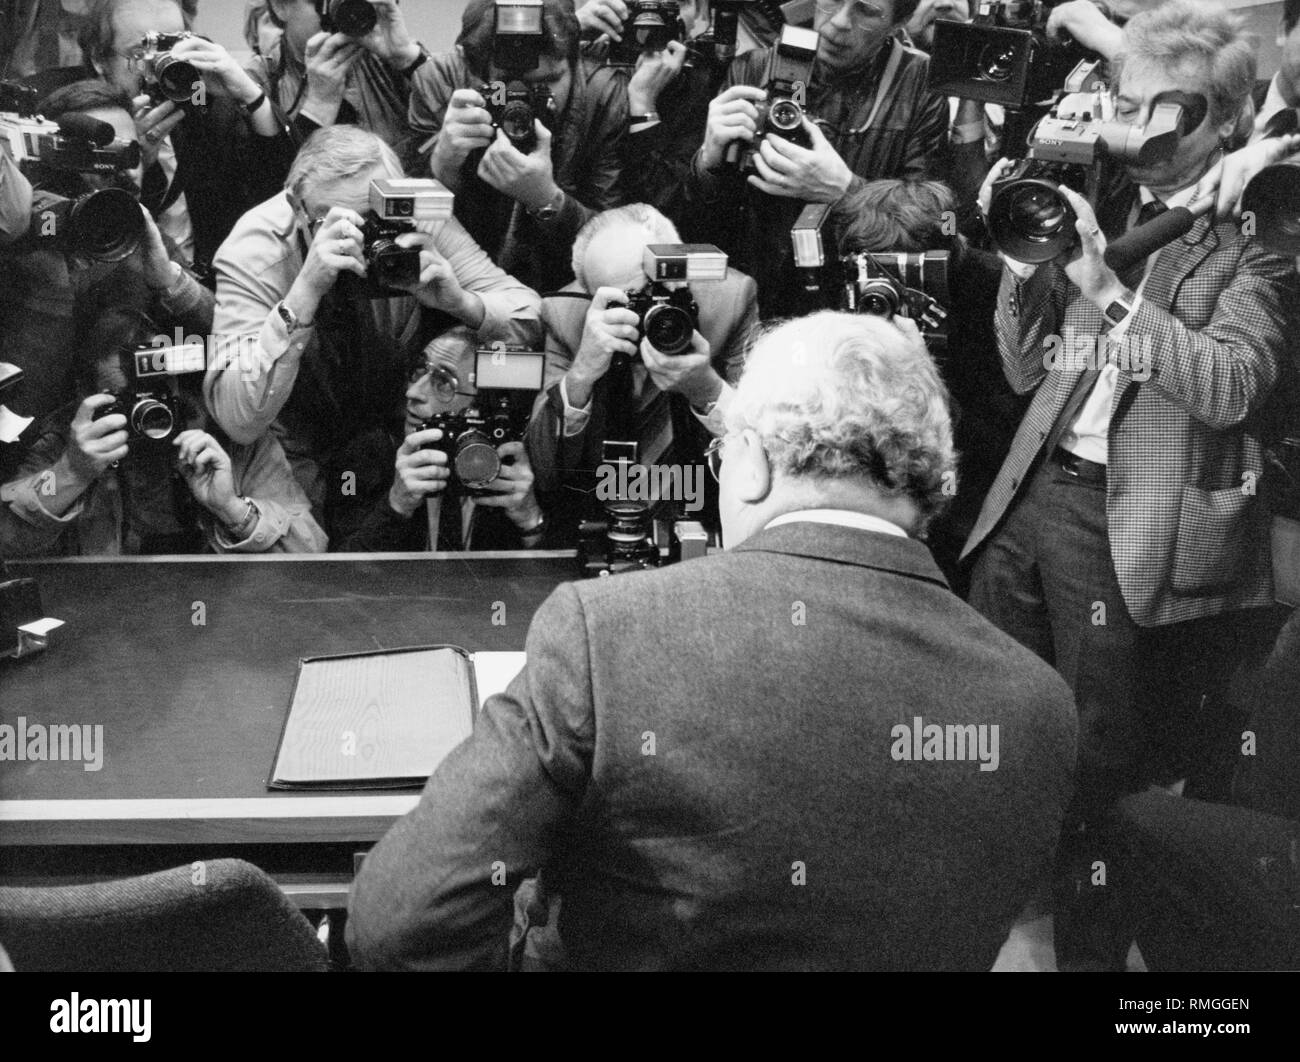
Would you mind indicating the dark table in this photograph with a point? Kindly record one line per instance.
(189, 664)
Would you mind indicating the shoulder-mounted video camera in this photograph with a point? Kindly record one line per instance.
(507, 380)
(397, 205)
(102, 224)
(667, 313)
(1003, 55)
(353, 18)
(1028, 219)
(514, 105)
(149, 401)
(789, 75)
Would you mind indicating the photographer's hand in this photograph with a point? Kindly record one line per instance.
(1083, 20)
(95, 445)
(160, 272)
(466, 127)
(603, 16)
(655, 71)
(1024, 270)
(417, 473)
(336, 248)
(390, 40)
(212, 59)
(1086, 266)
(691, 374)
(527, 179)
(439, 287)
(732, 116)
(610, 328)
(206, 469)
(815, 175)
(153, 125)
(1230, 175)
(330, 58)
(513, 488)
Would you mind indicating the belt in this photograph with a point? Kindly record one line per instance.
(1074, 465)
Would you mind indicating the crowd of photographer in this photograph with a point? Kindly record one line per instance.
(443, 301)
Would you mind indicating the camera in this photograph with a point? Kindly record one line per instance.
(649, 26)
(667, 316)
(104, 224)
(354, 18)
(717, 44)
(514, 105)
(1028, 219)
(789, 73)
(517, 36)
(1002, 56)
(507, 380)
(169, 77)
(396, 206)
(622, 542)
(152, 409)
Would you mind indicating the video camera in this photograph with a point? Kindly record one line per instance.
(507, 380)
(517, 37)
(353, 18)
(669, 316)
(649, 26)
(396, 206)
(514, 105)
(152, 408)
(103, 224)
(1002, 56)
(1028, 219)
(789, 74)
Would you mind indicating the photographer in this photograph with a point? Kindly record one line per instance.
(301, 338)
(403, 471)
(523, 207)
(881, 119)
(317, 78)
(15, 200)
(204, 165)
(678, 399)
(1123, 539)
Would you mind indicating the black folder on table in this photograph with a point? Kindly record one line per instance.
(375, 720)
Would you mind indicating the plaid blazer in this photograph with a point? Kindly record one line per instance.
(1188, 535)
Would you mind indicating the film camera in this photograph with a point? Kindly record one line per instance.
(517, 37)
(169, 77)
(397, 205)
(622, 542)
(649, 26)
(151, 407)
(1003, 55)
(1028, 219)
(514, 105)
(507, 380)
(353, 18)
(789, 73)
(668, 316)
(717, 45)
(104, 224)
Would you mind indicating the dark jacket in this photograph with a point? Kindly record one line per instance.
(584, 155)
(709, 785)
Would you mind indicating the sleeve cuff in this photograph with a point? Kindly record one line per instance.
(24, 499)
(575, 420)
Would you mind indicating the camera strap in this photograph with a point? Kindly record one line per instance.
(886, 82)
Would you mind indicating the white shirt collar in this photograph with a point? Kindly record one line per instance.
(1179, 198)
(842, 517)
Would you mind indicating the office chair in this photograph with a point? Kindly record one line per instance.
(235, 919)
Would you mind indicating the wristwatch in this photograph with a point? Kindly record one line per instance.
(292, 323)
(638, 119)
(1120, 308)
(408, 72)
(549, 210)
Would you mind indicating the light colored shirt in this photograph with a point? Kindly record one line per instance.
(1273, 104)
(575, 419)
(841, 518)
(254, 362)
(1087, 436)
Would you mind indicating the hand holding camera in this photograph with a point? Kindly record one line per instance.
(733, 117)
(690, 373)
(160, 272)
(610, 328)
(211, 60)
(206, 469)
(389, 39)
(815, 174)
(466, 128)
(336, 248)
(421, 470)
(330, 58)
(527, 179)
(153, 124)
(1087, 266)
(603, 16)
(655, 71)
(512, 490)
(97, 442)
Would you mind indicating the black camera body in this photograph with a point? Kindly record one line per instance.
(170, 77)
(912, 284)
(514, 105)
(1002, 56)
(154, 413)
(649, 26)
(789, 75)
(668, 316)
(622, 542)
(353, 18)
(396, 206)
(507, 380)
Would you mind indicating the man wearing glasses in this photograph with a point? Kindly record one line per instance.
(390, 517)
(874, 118)
(324, 361)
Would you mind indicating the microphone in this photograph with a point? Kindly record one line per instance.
(84, 127)
(1145, 240)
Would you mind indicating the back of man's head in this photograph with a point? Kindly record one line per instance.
(609, 248)
(845, 411)
(895, 215)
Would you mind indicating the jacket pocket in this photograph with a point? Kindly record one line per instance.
(1216, 531)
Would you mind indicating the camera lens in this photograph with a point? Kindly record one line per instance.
(878, 298)
(1036, 212)
(629, 528)
(176, 78)
(997, 63)
(1030, 220)
(355, 18)
(106, 225)
(785, 115)
(475, 459)
(391, 266)
(669, 329)
(152, 419)
(517, 122)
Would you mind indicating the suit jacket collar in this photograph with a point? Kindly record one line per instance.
(848, 545)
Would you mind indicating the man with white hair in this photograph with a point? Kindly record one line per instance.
(714, 765)
(302, 346)
(677, 399)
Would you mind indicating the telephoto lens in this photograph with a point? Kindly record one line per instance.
(176, 77)
(1029, 219)
(629, 529)
(105, 225)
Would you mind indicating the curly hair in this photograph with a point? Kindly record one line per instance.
(849, 396)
